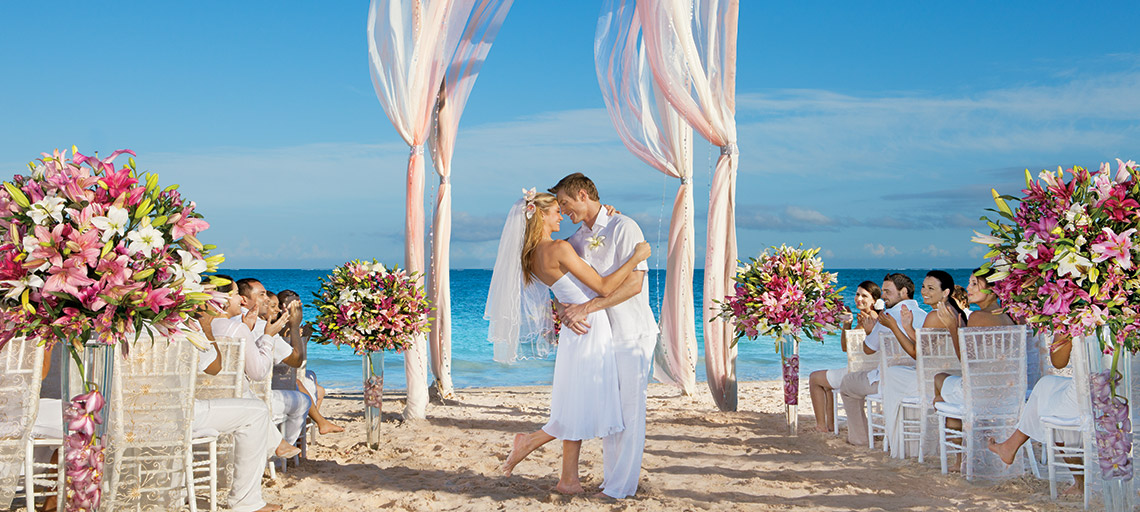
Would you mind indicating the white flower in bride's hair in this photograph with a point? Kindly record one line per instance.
(596, 241)
(529, 196)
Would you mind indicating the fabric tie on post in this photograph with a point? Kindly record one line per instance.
(685, 180)
(417, 150)
(729, 149)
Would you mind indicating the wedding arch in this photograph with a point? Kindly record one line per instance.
(665, 67)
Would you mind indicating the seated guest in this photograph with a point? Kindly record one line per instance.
(949, 387)
(901, 381)
(897, 293)
(1054, 395)
(962, 299)
(821, 382)
(248, 420)
(289, 405)
(298, 336)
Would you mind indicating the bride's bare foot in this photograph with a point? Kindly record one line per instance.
(570, 488)
(1007, 453)
(328, 428)
(512, 459)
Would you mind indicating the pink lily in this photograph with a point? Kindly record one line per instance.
(1115, 247)
(68, 277)
(157, 298)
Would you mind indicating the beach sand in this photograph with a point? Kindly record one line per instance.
(696, 458)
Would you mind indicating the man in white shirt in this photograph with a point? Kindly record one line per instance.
(289, 405)
(606, 241)
(898, 292)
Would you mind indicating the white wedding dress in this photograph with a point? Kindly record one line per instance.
(584, 401)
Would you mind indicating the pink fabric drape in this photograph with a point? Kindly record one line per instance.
(410, 43)
(691, 46)
(471, 51)
(656, 133)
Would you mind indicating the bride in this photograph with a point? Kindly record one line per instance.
(584, 400)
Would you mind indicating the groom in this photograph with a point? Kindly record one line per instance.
(605, 242)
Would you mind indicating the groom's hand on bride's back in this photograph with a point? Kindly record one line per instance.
(574, 316)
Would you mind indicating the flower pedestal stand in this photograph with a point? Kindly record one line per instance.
(1109, 388)
(790, 362)
(373, 395)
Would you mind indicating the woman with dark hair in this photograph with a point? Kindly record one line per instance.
(821, 382)
(900, 382)
(989, 314)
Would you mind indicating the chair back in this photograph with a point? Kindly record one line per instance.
(263, 390)
(935, 350)
(152, 411)
(993, 382)
(230, 381)
(857, 360)
(21, 365)
(891, 353)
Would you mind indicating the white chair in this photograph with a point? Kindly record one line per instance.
(910, 414)
(228, 383)
(263, 390)
(1056, 453)
(993, 384)
(21, 361)
(857, 361)
(151, 403)
(935, 350)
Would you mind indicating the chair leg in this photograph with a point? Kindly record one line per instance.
(214, 475)
(29, 477)
(870, 425)
(834, 412)
(942, 443)
(191, 494)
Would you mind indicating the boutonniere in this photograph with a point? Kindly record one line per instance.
(596, 241)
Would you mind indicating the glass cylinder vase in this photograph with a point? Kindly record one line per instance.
(790, 363)
(1110, 462)
(373, 395)
(86, 368)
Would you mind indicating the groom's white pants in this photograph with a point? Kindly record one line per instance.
(622, 451)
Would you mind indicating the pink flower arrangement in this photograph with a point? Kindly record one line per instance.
(374, 391)
(1064, 257)
(784, 293)
(91, 251)
(84, 455)
(370, 307)
(1064, 261)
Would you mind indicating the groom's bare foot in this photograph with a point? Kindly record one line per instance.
(286, 450)
(512, 459)
(1007, 453)
(571, 488)
(328, 428)
(603, 496)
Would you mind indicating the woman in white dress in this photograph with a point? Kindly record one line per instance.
(822, 382)
(584, 399)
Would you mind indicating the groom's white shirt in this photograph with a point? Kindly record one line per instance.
(606, 247)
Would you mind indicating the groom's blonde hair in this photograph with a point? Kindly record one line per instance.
(533, 234)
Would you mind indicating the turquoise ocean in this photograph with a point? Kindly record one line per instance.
(473, 367)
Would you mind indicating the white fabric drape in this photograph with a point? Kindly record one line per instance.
(471, 51)
(657, 134)
(691, 47)
(410, 44)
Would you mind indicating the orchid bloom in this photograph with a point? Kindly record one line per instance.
(1116, 247)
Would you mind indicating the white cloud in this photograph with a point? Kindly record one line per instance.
(880, 250)
(934, 252)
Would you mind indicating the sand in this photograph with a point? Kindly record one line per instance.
(696, 458)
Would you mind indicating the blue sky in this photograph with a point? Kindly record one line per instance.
(871, 129)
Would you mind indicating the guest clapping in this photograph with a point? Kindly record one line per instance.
(822, 382)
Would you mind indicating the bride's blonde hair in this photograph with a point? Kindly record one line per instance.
(533, 234)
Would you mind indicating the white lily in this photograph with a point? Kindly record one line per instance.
(38, 172)
(985, 239)
(145, 239)
(1070, 263)
(47, 207)
(19, 285)
(378, 268)
(114, 223)
(1027, 248)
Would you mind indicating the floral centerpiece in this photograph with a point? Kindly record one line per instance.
(91, 252)
(784, 294)
(371, 308)
(1064, 261)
